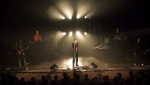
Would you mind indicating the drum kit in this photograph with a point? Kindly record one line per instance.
(107, 42)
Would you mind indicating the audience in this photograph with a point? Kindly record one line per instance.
(105, 80)
(120, 80)
(33, 81)
(141, 79)
(130, 79)
(44, 81)
(22, 81)
(65, 80)
(86, 80)
(55, 81)
(76, 79)
(115, 81)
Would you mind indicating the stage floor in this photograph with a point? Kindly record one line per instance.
(65, 64)
(105, 67)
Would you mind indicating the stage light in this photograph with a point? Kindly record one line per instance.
(54, 68)
(78, 16)
(70, 17)
(78, 33)
(94, 65)
(64, 33)
(63, 17)
(85, 17)
(54, 13)
(85, 33)
(70, 33)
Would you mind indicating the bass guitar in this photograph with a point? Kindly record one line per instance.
(139, 53)
(19, 52)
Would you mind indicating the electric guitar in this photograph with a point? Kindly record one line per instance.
(139, 53)
(19, 52)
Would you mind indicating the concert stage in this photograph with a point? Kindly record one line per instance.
(42, 67)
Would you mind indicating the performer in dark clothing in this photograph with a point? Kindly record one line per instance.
(75, 46)
(138, 53)
(21, 54)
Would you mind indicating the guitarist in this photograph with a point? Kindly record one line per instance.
(21, 54)
(138, 53)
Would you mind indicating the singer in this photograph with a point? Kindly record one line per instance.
(75, 46)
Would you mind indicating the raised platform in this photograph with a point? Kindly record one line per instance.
(65, 64)
(108, 67)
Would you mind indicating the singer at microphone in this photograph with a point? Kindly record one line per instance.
(75, 46)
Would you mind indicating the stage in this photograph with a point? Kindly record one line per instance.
(105, 67)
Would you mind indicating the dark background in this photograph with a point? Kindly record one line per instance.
(21, 18)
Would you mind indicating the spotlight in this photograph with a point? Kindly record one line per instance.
(78, 17)
(85, 17)
(63, 17)
(78, 33)
(94, 65)
(70, 17)
(64, 33)
(70, 33)
(54, 68)
(85, 33)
